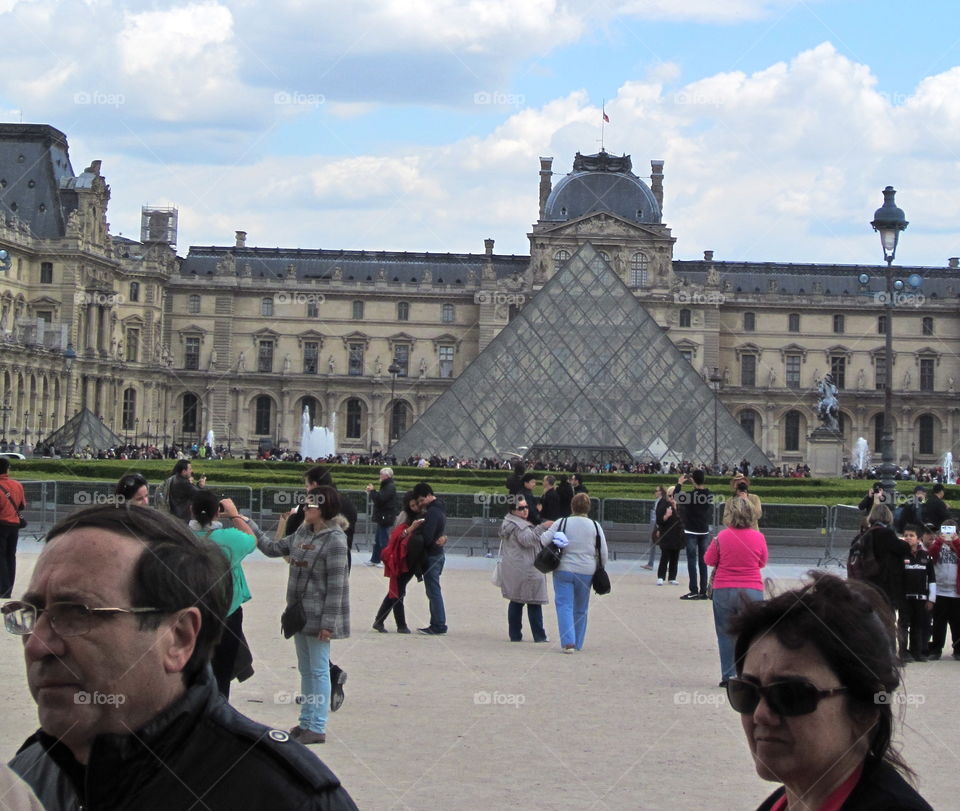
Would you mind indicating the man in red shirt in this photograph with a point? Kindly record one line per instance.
(12, 503)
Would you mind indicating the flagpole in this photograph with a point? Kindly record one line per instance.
(603, 116)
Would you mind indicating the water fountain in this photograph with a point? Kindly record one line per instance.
(861, 454)
(947, 465)
(315, 442)
(210, 439)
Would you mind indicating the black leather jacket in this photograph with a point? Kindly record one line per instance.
(199, 753)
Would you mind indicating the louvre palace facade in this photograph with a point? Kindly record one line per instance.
(240, 339)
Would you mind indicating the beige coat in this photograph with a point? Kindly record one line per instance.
(522, 583)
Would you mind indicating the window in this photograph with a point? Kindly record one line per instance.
(358, 311)
(748, 370)
(46, 316)
(749, 322)
(878, 433)
(791, 431)
(401, 356)
(190, 414)
(265, 357)
(446, 314)
(638, 269)
(446, 360)
(262, 412)
(313, 309)
(684, 318)
(46, 273)
(403, 311)
(559, 259)
(838, 324)
(927, 328)
(134, 291)
(793, 322)
(687, 355)
(881, 325)
(133, 345)
(266, 307)
(355, 359)
(926, 374)
(354, 418)
(925, 435)
(398, 419)
(880, 364)
(838, 368)
(312, 406)
(311, 357)
(129, 413)
(193, 304)
(793, 371)
(191, 354)
(748, 421)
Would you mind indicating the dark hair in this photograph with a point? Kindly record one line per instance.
(851, 625)
(549, 480)
(4, 465)
(328, 500)
(422, 489)
(176, 570)
(743, 487)
(937, 488)
(180, 466)
(205, 505)
(319, 475)
(577, 477)
(697, 476)
(129, 484)
(529, 477)
(514, 503)
(916, 530)
(407, 498)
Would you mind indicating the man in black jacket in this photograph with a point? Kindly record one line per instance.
(550, 508)
(385, 511)
(130, 715)
(182, 489)
(432, 531)
(935, 511)
(696, 513)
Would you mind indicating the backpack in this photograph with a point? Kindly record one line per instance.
(161, 496)
(862, 561)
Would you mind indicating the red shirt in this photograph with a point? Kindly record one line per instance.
(739, 555)
(8, 513)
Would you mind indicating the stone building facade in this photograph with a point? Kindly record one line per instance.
(239, 339)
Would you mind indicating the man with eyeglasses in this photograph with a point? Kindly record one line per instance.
(118, 624)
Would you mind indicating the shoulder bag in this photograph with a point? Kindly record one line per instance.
(601, 580)
(496, 576)
(23, 521)
(294, 618)
(548, 558)
(713, 571)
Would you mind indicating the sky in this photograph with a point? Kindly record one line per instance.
(417, 125)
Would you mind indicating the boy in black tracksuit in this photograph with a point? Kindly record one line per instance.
(919, 596)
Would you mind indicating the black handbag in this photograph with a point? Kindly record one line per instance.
(294, 618)
(548, 558)
(601, 580)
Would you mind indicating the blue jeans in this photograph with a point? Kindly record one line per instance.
(313, 662)
(379, 543)
(515, 621)
(727, 603)
(571, 593)
(696, 546)
(431, 584)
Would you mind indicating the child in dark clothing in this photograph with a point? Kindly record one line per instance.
(919, 596)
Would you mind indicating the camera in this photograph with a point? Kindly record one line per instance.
(877, 487)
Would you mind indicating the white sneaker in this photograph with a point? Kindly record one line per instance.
(659, 581)
(674, 582)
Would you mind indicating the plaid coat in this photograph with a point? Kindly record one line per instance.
(325, 589)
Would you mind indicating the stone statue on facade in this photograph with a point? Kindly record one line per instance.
(378, 366)
(828, 407)
(423, 367)
(331, 365)
(241, 363)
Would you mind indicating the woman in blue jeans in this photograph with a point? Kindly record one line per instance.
(571, 580)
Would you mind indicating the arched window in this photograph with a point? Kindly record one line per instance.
(446, 314)
(684, 318)
(881, 325)
(925, 426)
(748, 421)
(403, 311)
(749, 322)
(190, 414)
(134, 291)
(927, 325)
(266, 306)
(398, 419)
(638, 269)
(793, 322)
(262, 415)
(791, 431)
(313, 409)
(129, 413)
(354, 418)
(193, 304)
(559, 259)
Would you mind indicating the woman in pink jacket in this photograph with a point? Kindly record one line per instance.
(738, 553)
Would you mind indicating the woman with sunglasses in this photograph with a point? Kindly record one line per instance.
(133, 489)
(816, 671)
(521, 583)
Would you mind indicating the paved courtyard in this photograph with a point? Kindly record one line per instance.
(471, 720)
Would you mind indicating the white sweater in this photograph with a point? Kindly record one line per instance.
(580, 556)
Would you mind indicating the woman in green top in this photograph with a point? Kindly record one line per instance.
(237, 541)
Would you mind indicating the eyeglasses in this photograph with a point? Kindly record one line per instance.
(522, 507)
(786, 698)
(66, 619)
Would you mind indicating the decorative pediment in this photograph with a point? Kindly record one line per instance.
(310, 335)
(45, 301)
(793, 349)
(401, 338)
(603, 224)
(926, 353)
(445, 340)
(265, 334)
(748, 349)
(192, 331)
(837, 350)
(355, 337)
(135, 320)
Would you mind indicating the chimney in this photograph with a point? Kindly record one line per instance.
(241, 239)
(708, 256)
(656, 181)
(546, 182)
(953, 262)
(488, 247)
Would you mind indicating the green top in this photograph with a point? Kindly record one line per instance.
(236, 545)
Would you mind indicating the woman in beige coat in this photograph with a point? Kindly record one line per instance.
(521, 583)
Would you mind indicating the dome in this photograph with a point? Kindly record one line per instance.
(602, 182)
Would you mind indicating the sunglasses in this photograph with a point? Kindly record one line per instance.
(786, 698)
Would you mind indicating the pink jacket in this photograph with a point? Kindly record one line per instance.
(739, 555)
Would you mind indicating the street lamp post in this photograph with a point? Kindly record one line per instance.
(229, 429)
(26, 431)
(5, 409)
(394, 370)
(889, 221)
(716, 378)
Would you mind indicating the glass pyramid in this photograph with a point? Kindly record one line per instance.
(583, 373)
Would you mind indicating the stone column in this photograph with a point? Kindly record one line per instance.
(91, 328)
